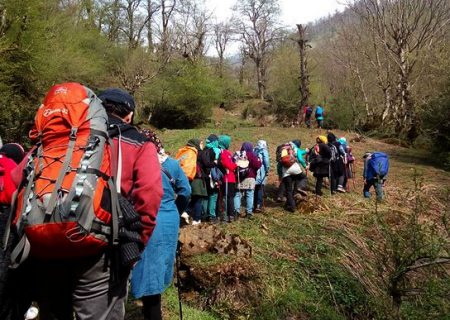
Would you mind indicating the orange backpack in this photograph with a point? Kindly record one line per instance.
(188, 161)
(64, 207)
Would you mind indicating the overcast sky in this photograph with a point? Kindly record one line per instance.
(292, 12)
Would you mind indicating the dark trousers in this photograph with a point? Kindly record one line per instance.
(259, 194)
(319, 184)
(152, 307)
(81, 286)
(288, 183)
(195, 207)
(229, 190)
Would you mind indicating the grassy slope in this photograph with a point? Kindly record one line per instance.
(314, 265)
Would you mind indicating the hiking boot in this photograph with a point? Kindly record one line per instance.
(367, 194)
(302, 192)
(289, 209)
(279, 199)
(257, 209)
(249, 216)
(341, 189)
(196, 222)
(230, 219)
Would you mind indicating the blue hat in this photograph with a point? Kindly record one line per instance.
(118, 96)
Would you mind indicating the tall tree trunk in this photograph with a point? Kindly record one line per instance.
(304, 78)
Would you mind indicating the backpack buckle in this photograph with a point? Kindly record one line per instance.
(73, 134)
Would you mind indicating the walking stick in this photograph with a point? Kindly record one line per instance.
(226, 197)
(177, 263)
(353, 173)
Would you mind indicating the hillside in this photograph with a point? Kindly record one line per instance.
(337, 257)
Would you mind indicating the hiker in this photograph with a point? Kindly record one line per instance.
(262, 174)
(337, 164)
(349, 163)
(198, 184)
(154, 272)
(215, 179)
(288, 169)
(376, 168)
(246, 179)
(229, 186)
(86, 274)
(301, 180)
(308, 114)
(319, 113)
(12, 303)
(319, 162)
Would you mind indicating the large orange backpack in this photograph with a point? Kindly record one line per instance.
(64, 207)
(187, 156)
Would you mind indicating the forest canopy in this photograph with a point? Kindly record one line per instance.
(377, 67)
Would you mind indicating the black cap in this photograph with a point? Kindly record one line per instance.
(118, 96)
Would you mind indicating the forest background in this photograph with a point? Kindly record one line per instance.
(378, 67)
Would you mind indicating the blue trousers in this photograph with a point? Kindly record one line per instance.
(249, 195)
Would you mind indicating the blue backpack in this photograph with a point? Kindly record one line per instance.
(378, 164)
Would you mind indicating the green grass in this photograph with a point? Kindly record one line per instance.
(317, 265)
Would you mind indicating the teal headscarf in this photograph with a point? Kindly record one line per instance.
(212, 142)
(224, 141)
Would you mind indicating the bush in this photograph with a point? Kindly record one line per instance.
(183, 96)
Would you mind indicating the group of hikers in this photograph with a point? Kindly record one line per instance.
(319, 114)
(96, 203)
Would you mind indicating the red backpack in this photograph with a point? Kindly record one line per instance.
(7, 186)
(66, 205)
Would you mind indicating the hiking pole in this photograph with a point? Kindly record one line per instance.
(177, 263)
(226, 197)
(353, 173)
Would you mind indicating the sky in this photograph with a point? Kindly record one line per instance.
(292, 12)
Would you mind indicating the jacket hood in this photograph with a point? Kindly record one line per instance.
(247, 147)
(262, 144)
(297, 143)
(224, 141)
(212, 141)
(322, 139)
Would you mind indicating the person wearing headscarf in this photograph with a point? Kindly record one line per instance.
(337, 164)
(214, 180)
(229, 186)
(262, 153)
(205, 162)
(320, 156)
(246, 187)
(154, 272)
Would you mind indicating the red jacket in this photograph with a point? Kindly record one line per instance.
(141, 175)
(7, 186)
(226, 159)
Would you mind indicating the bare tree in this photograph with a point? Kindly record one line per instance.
(303, 45)
(257, 25)
(152, 8)
(222, 36)
(191, 27)
(406, 29)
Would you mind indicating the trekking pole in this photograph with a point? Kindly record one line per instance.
(226, 196)
(177, 263)
(353, 173)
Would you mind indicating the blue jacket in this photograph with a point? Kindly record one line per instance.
(154, 272)
(263, 154)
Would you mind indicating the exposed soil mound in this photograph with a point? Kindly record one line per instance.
(227, 276)
(208, 238)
